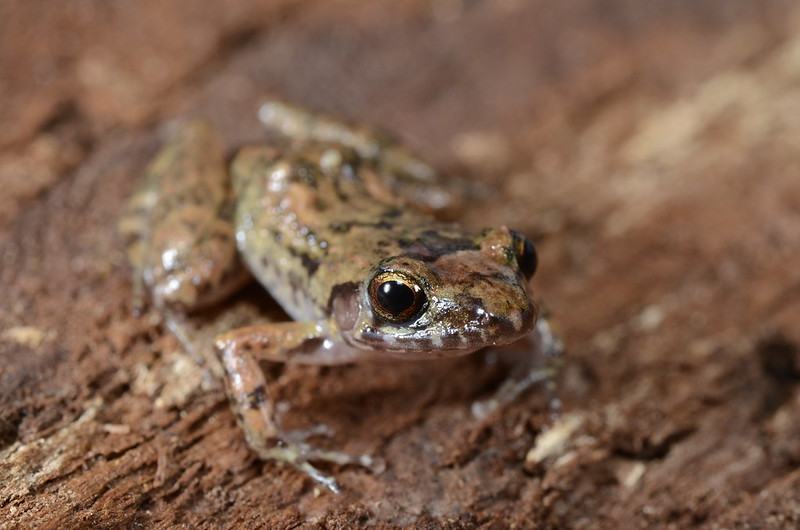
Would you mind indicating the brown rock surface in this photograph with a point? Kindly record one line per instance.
(651, 147)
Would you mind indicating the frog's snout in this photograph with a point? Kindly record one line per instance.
(498, 321)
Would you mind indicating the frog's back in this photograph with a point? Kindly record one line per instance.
(313, 218)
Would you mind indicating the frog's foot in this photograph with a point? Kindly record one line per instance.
(300, 455)
(510, 389)
(260, 417)
(295, 450)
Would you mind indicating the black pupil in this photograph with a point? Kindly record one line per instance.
(395, 297)
(526, 257)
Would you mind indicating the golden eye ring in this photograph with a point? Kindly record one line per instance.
(396, 297)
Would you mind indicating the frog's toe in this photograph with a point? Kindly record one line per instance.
(482, 409)
(319, 477)
(300, 455)
(374, 463)
(301, 435)
(511, 389)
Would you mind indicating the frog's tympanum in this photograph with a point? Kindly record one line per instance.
(334, 220)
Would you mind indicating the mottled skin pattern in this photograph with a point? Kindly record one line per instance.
(331, 222)
(177, 225)
(321, 234)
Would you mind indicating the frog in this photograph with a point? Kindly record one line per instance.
(338, 222)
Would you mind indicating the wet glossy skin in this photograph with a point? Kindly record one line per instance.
(316, 240)
(331, 222)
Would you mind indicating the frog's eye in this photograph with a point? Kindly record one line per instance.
(396, 297)
(525, 253)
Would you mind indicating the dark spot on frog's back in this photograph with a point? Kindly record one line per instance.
(433, 244)
(297, 283)
(344, 227)
(305, 173)
(320, 205)
(476, 277)
(386, 222)
(190, 195)
(309, 264)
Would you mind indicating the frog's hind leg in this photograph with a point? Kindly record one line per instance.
(179, 236)
(408, 175)
(239, 352)
(178, 226)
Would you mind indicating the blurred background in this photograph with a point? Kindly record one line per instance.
(649, 148)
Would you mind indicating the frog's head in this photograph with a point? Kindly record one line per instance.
(447, 301)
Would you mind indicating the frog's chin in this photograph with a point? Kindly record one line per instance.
(419, 346)
(447, 338)
(422, 355)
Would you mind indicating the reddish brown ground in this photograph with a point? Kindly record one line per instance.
(652, 148)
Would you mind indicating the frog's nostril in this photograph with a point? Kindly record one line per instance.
(482, 318)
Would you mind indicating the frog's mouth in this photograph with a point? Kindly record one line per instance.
(444, 338)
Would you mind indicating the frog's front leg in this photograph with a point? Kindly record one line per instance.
(306, 342)
(541, 360)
